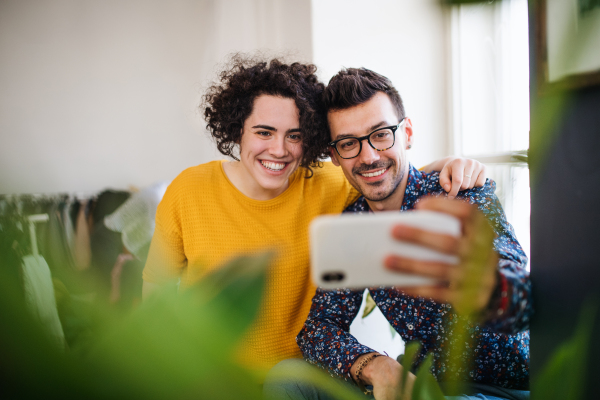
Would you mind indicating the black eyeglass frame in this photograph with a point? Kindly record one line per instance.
(394, 128)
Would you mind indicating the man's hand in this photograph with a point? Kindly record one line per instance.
(467, 285)
(458, 174)
(384, 374)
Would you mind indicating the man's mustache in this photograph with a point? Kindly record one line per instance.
(369, 167)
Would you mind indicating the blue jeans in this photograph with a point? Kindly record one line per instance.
(290, 379)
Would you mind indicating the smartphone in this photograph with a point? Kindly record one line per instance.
(347, 251)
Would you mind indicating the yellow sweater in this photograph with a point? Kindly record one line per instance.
(203, 220)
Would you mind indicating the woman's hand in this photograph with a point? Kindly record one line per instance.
(457, 173)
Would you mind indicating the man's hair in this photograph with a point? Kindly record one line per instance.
(228, 102)
(355, 86)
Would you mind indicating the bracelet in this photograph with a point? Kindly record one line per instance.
(359, 369)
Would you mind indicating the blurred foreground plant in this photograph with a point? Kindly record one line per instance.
(176, 345)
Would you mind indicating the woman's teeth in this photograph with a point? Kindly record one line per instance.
(376, 173)
(272, 166)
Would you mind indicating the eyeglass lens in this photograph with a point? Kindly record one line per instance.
(381, 139)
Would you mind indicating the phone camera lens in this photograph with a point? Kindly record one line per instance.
(333, 276)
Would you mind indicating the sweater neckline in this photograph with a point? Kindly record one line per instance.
(280, 198)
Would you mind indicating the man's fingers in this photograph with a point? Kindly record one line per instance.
(481, 177)
(445, 181)
(431, 269)
(438, 241)
(457, 180)
(468, 176)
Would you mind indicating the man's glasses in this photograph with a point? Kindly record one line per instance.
(380, 139)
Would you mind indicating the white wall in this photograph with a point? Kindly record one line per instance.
(98, 94)
(404, 40)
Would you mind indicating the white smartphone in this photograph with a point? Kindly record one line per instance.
(348, 250)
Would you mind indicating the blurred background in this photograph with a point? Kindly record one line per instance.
(99, 106)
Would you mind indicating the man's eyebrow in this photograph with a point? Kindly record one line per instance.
(379, 125)
(267, 127)
(371, 129)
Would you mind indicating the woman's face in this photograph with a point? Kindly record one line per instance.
(271, 146)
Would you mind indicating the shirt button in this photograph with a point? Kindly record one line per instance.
(500, 311)
(410, 327)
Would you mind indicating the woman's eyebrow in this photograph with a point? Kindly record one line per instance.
(267, 127)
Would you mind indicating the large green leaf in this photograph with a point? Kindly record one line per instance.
(564, 375)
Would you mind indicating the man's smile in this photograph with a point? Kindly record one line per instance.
(373, 174)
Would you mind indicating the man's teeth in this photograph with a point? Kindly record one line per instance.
(273, 166)
(372, 174)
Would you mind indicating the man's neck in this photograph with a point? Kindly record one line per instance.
(394, 201)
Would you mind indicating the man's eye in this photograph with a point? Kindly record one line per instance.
(349, 144)
(382, 134)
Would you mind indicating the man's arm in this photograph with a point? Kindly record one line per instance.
(491, 273)
(325, 339)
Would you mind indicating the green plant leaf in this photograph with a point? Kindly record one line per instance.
(410, 352)
(564, 375)
(369, 305)
(176, 345)
(426, 387)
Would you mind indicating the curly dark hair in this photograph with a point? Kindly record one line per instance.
(229, 101)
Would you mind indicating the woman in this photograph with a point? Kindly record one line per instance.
(270, 114)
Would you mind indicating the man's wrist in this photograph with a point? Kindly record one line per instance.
(380, 368)
(359, 366)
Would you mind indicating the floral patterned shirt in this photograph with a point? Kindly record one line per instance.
(499, 354)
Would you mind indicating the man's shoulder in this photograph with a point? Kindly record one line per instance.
(423, 182)
(479, 195)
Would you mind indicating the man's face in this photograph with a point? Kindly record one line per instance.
(376, 174)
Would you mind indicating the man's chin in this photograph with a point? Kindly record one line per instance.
(372, 194)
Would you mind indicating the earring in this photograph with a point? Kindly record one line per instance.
(409, 146)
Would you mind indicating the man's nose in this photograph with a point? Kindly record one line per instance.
(368, 155)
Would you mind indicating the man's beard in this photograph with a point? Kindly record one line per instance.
(379, 165)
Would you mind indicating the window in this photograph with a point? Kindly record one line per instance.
(490, 99)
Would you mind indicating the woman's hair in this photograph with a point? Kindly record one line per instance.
(229, 101)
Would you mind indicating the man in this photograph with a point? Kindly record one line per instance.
(489, 289)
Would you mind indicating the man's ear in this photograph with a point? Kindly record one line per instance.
(333, 155)
(408, 129)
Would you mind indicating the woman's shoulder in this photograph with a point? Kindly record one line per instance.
(327, 172)
(191, 180)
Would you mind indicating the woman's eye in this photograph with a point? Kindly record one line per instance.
(295, 138)
(263, 133)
